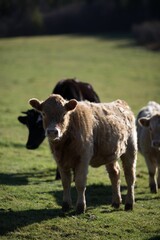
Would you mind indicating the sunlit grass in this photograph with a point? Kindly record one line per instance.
(30, 198)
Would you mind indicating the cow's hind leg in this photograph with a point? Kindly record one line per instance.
(114, 174)
(129, 166)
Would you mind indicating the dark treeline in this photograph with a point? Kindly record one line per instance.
(31, 17)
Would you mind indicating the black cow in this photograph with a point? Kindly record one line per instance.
(68, 89)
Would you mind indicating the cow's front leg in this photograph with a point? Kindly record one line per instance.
(80, 182)
(66, 182)
(152, 167)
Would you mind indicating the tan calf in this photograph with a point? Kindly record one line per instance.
(83, 133)
(148, 128)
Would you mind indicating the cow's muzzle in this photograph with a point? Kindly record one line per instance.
(53, 133)
(156, 144)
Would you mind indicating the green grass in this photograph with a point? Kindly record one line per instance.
(30, 198)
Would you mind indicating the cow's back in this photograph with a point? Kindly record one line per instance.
(73, 88)
(105, 128)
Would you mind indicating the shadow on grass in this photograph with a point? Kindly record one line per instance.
(155, 238)
(11, 144)
(148, 198)
(14, 179)
(10, 220)
(96, 195)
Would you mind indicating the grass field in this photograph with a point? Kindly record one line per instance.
(30, 198)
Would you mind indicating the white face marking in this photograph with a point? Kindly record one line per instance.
(53, 133)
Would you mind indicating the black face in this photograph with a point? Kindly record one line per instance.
(68, 89)
(33, 121)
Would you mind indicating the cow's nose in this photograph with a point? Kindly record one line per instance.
(52, 131)
(31, 146)
(156, 143)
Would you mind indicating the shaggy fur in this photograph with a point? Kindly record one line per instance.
(83, 133)
(148, 129)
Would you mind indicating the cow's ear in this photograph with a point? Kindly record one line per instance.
(71, 105)
(22, 120)
(144, 122)
(35, 103)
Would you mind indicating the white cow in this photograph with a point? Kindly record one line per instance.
(148, 129)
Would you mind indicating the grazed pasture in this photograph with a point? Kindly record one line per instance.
(30, 198)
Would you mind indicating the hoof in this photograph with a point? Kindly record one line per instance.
(65, 207)
(153, 189)
(80, 209)
(128, 207)
(116, 205)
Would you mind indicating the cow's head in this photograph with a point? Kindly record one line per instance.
(55, 113)
(33, 121)
(153, 124)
